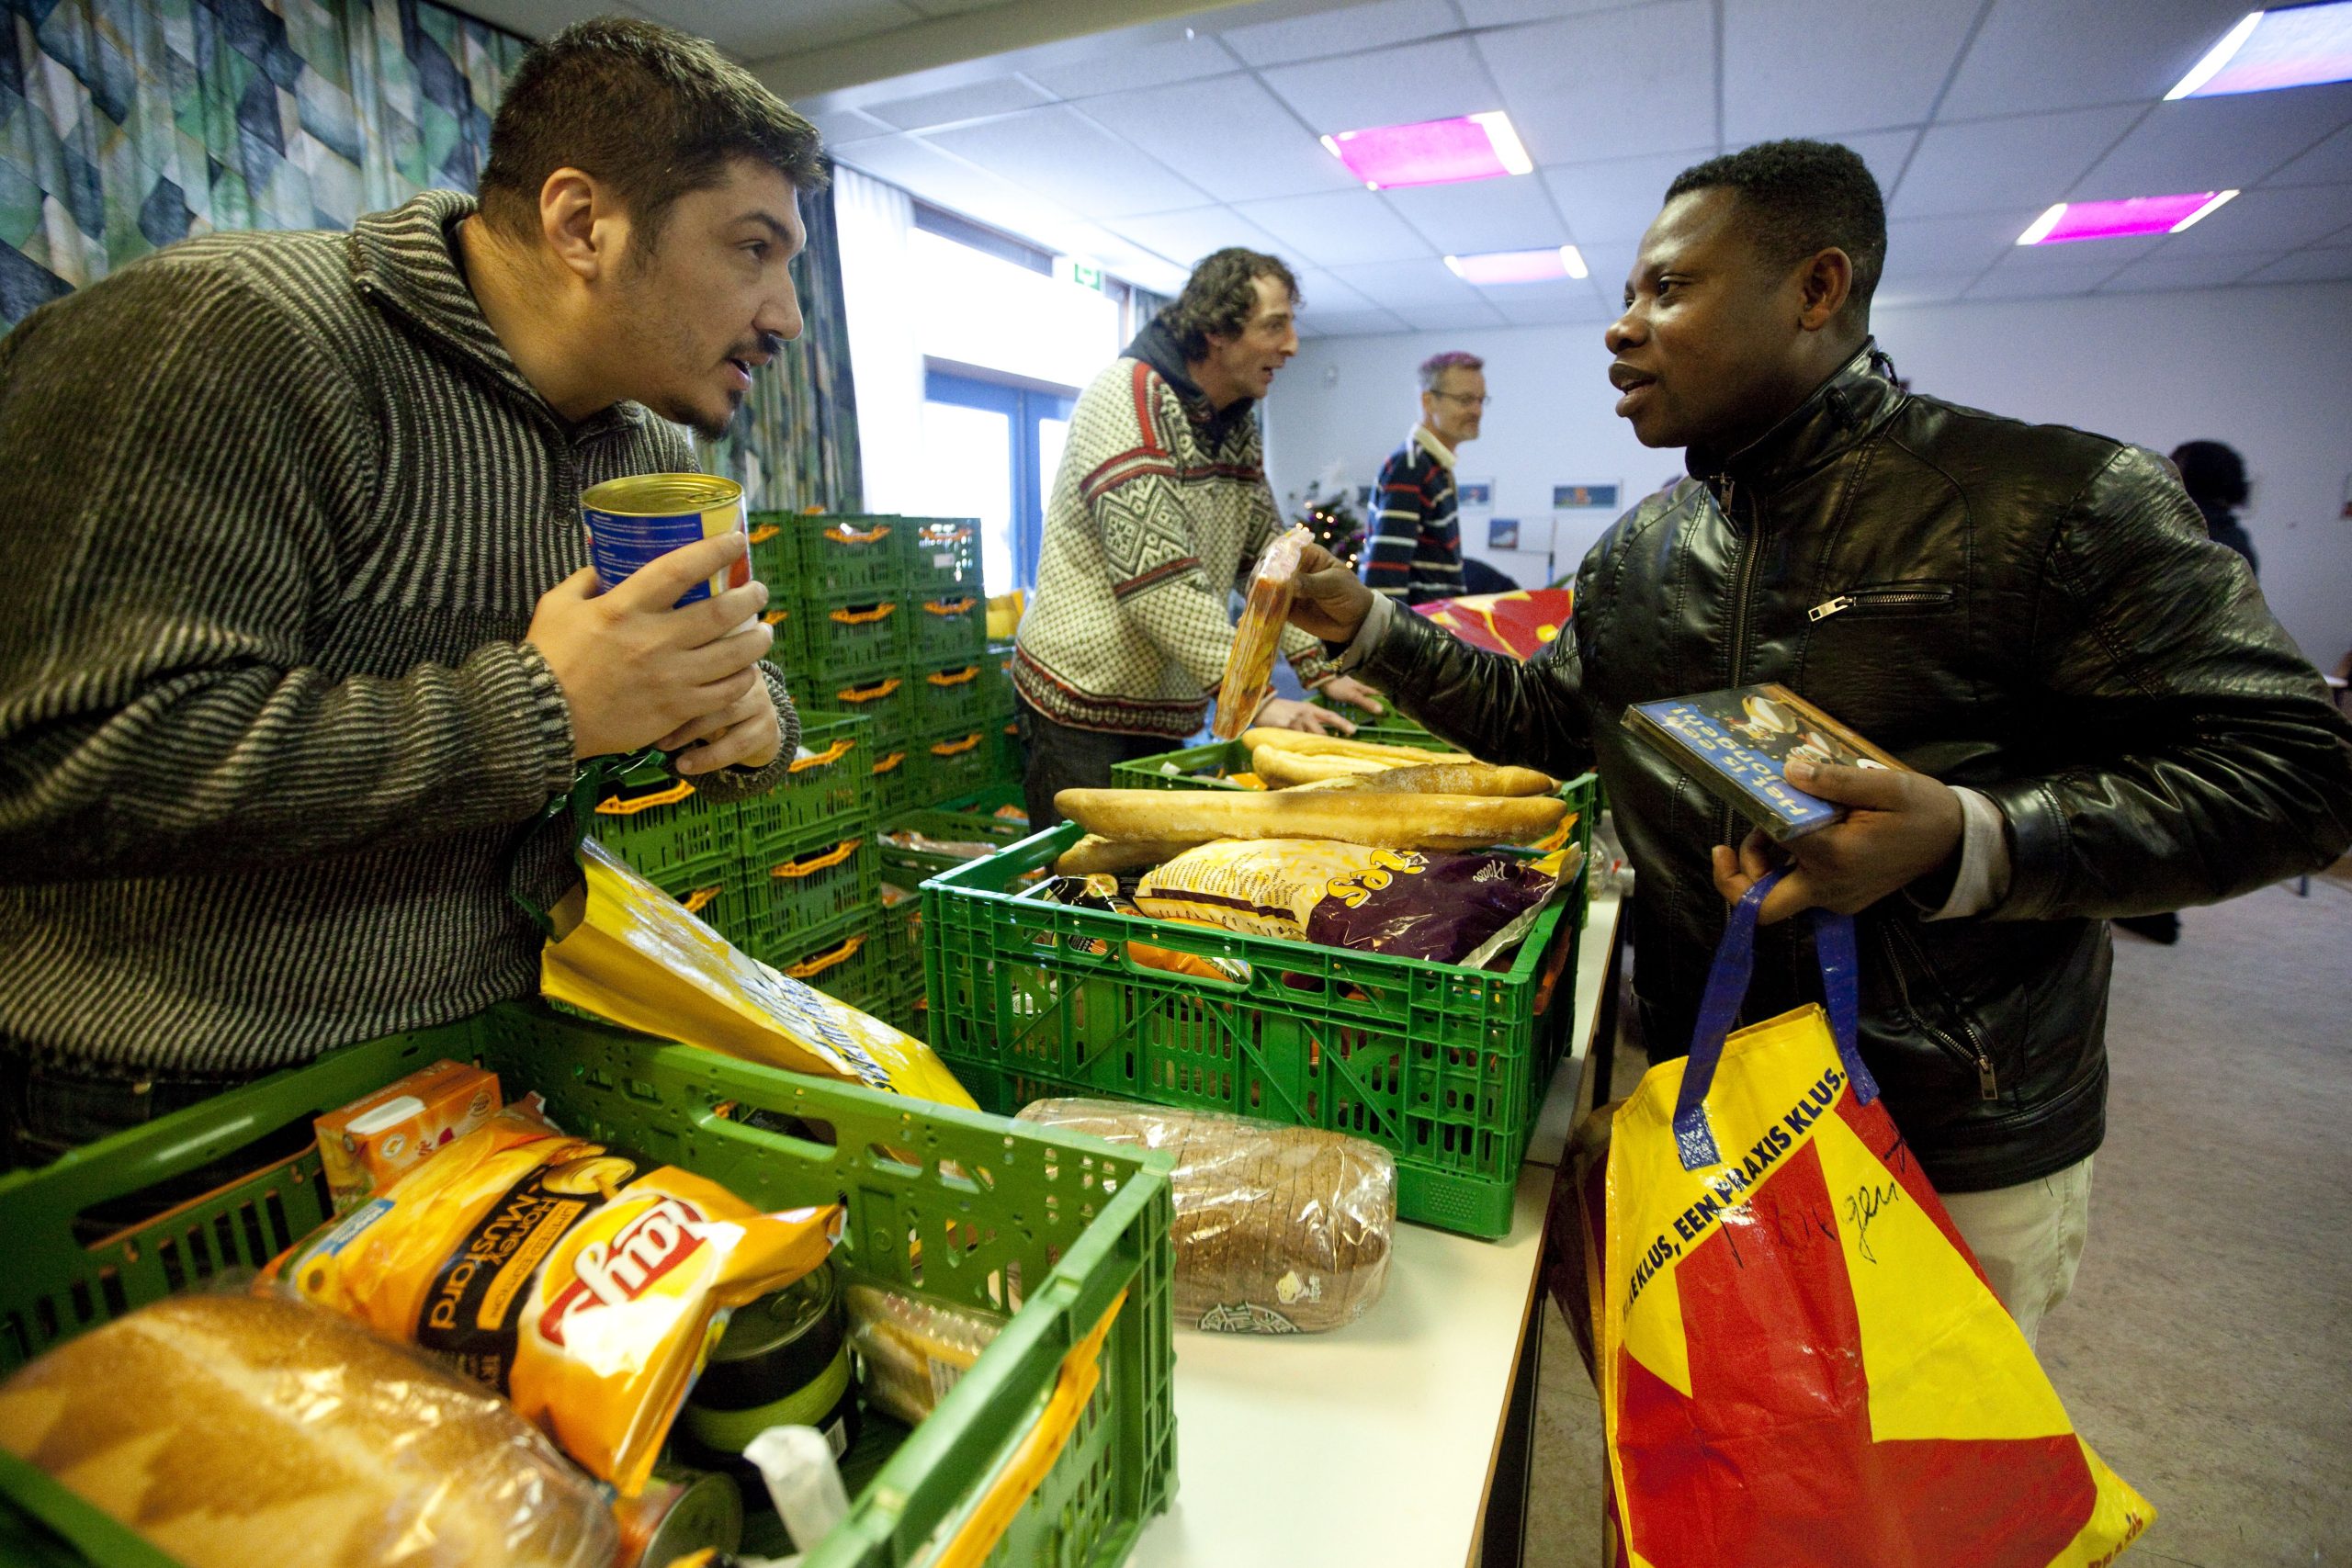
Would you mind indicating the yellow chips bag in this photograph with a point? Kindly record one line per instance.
(546, 1267)
(626, 951)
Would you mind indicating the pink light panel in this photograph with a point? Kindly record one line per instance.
(1431, 153)
(2072, 221)
(2297, 47)
(1518, 267)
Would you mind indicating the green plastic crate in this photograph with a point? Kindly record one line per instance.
(856, 639)
(943, 557)
(950, 695)
(776, 552)
(957, 763)
(1444, 1066)
(788, 621)
(947, 628)
(887, 701)
(662, 826)
(1007, 1216)
(1389, 726)
(899, 779)
(1211, 766)
(825, 795)
(766, 904)
(847, 557)
(849, 959)
(912, 866)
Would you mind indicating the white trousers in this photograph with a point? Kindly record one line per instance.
(2028, 1238)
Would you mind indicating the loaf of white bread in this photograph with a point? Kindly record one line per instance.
(237, 1431)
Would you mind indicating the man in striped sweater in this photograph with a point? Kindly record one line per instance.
(297, 635)
(1415, 553)
(1161, 507)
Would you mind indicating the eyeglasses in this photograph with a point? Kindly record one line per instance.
(1464, 398)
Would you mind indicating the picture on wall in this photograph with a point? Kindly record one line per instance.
(1574, 497)
(1474, 495)
(1502, 532)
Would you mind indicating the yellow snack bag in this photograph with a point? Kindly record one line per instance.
(533, 1263)
(626, 951)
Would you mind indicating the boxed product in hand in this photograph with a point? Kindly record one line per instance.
(371, 1142)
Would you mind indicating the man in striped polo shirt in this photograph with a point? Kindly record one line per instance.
(297, 633)
(1415, 554)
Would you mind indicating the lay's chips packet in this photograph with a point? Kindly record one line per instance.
(552, 1271)
(626, 951)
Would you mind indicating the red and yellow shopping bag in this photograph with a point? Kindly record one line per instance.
(1801, 1362)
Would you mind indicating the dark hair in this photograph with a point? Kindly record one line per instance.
(1804, 197)
(2211, 472)
(650, 111)
(1220, 297)
(1434, 367)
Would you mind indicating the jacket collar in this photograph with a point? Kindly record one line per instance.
(1156, 346)
(406, 262)
(1839, 414)
(1428, 441)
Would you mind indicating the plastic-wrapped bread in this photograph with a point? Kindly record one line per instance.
(235, 1431)
(1278, 1229)
(1358, 816)
(1250, 662)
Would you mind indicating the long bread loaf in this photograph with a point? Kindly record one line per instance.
(1387, 821)
(1341, 746)
(1282, 768)
(1446, 778)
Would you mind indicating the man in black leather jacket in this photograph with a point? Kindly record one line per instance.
(2106, 719)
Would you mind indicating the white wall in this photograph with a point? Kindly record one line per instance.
(2266, 369)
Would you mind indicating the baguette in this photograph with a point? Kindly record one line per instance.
(1448, 778)
(1340, 745)
(1357, 817)
(1096, 852)
(1281, 769)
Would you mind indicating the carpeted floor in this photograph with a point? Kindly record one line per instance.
(2207, 1349)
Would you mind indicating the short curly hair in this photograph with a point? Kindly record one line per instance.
(649, 111)
(1220, 297)
(1803, 197)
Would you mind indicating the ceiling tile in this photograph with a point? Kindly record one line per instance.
(1337, 229)
(1992, 164)
(2168, 270)
(1508, 214)
(927, 173)
(2315, 266)
(2268, 220)
(1256, 150)
(955, 7)
(1062, 155)
(1613, 83)
(1503, 12)
(760, 31)
(1348, 29)
(2328, 163)
(1324, 291)
(1921, 288)
(1959, 243)
(1550, 304)
(1003, 96)
(2212, 143)
(1129, 70)
(2025, 274)
(2033, 55)
(1184, 238)
(1464, 318)
(1390, 86)
(1613, 201)
(1347, 323)
(1887, 65)
(1396, 286)
(837, 126)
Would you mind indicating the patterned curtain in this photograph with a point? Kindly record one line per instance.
(1142, 306)
(128, 124)
(795, 444)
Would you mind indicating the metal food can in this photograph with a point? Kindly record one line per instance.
(631, 522)
(678, 1512)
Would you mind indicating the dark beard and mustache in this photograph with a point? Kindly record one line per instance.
(768, 345)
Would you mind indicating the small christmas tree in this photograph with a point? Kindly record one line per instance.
(1335, 525)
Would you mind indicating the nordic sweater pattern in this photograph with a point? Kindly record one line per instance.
(1415, 555)
(274, 510)
(1158, 508)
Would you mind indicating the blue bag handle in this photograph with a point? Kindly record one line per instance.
(1833, 942)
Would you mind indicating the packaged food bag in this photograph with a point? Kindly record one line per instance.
(1250, 662)
(622, 949)
(547, 1268)
(1801, 1362)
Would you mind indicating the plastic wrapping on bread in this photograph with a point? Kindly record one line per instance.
(1249, 663)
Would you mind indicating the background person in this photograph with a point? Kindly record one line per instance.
(1415, 552)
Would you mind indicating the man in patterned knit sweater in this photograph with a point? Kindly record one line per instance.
(1415, 553)
(297, 635)
(1159, 507)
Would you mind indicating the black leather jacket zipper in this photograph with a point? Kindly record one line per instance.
(1744, 587)
(1973, 1053)
(1890, 598)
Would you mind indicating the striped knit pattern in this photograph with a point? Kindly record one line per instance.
(1153, 516)
(277, 508)
(1415, 553)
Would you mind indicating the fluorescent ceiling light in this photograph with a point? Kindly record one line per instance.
(2294, 48)
(2072, 221)
(1519, 267)
(1433, 152)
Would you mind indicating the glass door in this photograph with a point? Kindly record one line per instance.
(992, 451)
